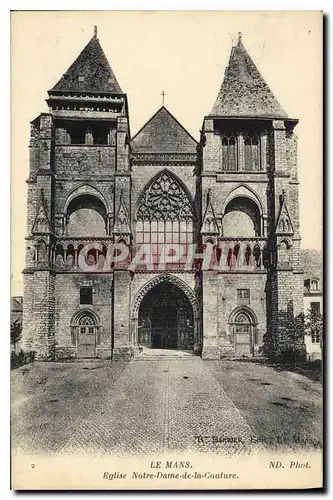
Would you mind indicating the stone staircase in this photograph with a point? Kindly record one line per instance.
(148, 354)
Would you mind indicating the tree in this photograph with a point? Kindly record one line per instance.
(313, 326)
(15, 332)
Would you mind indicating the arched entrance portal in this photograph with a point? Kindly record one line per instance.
(166, 319)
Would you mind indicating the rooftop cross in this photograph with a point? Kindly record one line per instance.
(163, 94)
(95, 31)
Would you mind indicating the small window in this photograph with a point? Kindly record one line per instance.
(315, 337)
(81, 78)
(314, 285)
(86, 294)
(315, 308)
(243, 296)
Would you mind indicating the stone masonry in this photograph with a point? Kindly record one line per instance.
(92, 185)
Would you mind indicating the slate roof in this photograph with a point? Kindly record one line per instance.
(312, 263)
(163, 134)
(244, 92)
(16, 304)
(90, 72)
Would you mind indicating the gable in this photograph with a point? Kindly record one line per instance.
(283, 221)
(163, 134)
(42, 222)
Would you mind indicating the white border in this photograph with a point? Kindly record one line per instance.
(324, 5)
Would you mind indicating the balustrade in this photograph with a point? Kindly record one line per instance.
(240, 254)
(228, 254)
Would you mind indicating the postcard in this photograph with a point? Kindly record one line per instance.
(167, 285)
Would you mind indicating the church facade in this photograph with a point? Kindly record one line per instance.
(221, 215)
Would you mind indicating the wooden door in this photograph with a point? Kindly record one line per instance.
(243, 342)
(86, 342)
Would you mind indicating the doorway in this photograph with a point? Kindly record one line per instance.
(166, 319)
(86, 331)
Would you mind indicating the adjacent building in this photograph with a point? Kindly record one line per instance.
(313, 298)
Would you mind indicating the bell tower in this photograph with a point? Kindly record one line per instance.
(249, 176)
(79, 182)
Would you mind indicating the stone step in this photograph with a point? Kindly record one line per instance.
(153, 357)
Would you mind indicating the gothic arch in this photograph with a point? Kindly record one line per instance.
(159, 174)
(84, 189)
(243, 191)
(287, 242)
(182, 286)
(160, 279)
(89, 321)
(247, 311)
(85, 312)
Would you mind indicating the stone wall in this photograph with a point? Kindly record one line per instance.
(220, 301)
(83, 160)
(67, 304)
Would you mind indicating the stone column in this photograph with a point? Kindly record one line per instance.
(240, 152)
(122, 345)
(210, 348)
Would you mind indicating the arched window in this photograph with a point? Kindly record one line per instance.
(233, 256)
(252, 152)
(165, 214)
(257, 255)
(314, 285)
(101, 256)
(229, 152)
(59, 256)
(87, 324)
(248, 253)
(70, 257)
(86, 216)
(284, 253)
(242, 323)
(241, 218)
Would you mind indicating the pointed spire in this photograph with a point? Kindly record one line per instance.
(244, 92)
(90, 72)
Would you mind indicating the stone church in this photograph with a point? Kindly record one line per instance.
(234, 193)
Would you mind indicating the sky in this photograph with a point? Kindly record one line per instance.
(184, 54)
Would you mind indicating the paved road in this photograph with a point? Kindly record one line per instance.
(145, 406)
(162, 405)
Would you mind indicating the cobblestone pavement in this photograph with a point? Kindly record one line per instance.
(158, 406)
(141, 407)
(150, 406)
